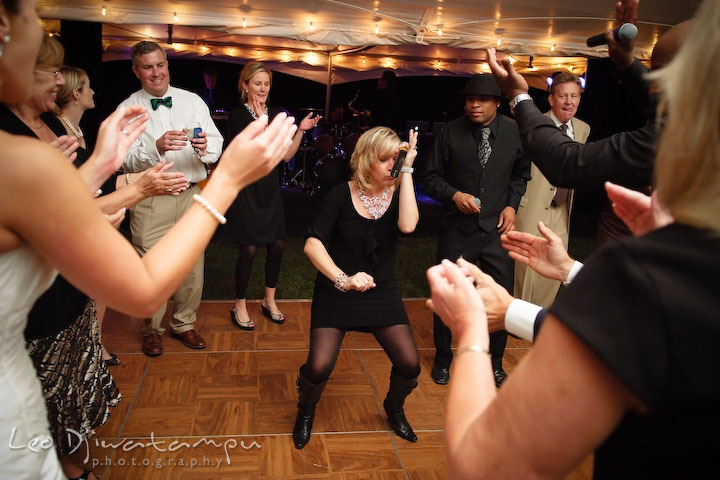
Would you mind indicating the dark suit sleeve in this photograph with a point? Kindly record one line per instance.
(626, 158)
(634, 82)
(434, 182)
(539, 319)
(519, 178)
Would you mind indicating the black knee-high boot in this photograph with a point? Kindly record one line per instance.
(308, 396)
(400, 388)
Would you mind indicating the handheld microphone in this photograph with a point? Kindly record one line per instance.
(625, 34)
(399, 162)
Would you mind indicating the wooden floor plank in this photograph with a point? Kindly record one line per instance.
(237, 398)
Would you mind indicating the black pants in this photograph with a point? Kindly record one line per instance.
(485, 250)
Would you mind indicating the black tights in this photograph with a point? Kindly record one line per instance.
(396, 340)
(246, 255)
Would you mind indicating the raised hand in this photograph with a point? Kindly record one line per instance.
(619, 52)
(411, 145)
(641, 213)
(307, 123)
(117, 133)
(546, 255)
(67, 146)
(510, 82)
(455, 299)
(256, 150)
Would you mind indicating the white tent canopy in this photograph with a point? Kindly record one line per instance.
(332, 41)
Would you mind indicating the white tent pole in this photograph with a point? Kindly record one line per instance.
(328, 86)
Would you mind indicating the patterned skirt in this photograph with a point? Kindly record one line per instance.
(77, 386)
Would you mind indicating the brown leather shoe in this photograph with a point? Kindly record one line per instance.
(190, 339)
(152, 345)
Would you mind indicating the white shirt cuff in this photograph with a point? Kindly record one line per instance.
(520, 318)
(574, 270)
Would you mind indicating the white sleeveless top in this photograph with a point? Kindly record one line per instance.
(26, 447)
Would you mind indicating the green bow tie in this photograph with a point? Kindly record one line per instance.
(156, 102)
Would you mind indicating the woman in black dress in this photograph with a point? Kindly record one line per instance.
(352, 243)
(259, 209)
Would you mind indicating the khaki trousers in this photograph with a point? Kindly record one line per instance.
(149, 221)
(529, 285)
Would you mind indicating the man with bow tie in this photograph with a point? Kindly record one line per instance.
(170, 110)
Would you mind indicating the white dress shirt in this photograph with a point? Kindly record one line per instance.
(570, 132)
(186, 107)
(520, 315)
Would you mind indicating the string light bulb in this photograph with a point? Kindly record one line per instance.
(244, 23)
(552, 49)
(104, 10)
(440, 32)
(377, 30)
(312, 27)
(175, 17)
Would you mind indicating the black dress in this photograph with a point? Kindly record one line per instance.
(357, 244)
(257, 214)
(652, 319)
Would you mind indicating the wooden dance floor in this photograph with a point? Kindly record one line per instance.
(227, 412)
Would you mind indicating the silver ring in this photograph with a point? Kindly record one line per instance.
(125, 132)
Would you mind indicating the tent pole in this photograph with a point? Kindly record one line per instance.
(328, 86)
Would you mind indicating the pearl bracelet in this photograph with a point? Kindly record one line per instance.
(472, 348)
(213, 211)
(340, 282)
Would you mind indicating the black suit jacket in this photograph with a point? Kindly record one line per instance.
(453, 166)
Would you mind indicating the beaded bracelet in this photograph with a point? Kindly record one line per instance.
(340, 282)
(213, 211)
(472, 348)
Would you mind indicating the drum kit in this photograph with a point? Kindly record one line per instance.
(323, 159)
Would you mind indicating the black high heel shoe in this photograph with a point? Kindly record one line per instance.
(278, 318)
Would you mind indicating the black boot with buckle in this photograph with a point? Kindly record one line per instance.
(400, 388)
(308, 396)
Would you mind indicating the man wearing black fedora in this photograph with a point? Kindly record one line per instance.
(477, 169)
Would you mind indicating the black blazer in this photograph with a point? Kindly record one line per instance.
(453, 166)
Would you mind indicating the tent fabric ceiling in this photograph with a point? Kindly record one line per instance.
(440, 37)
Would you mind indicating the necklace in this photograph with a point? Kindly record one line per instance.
(252, 112)
(377, 205)
(76, 131)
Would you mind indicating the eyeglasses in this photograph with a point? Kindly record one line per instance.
(54, 74)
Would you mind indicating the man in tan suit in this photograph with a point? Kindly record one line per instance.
(543, 201)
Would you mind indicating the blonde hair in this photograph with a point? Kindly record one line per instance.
(247, 73)
(75, 79)
(51, 52)
(687, 170)
(376, 143)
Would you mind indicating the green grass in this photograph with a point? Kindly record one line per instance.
(297, 276)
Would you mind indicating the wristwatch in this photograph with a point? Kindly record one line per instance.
(520, 98)
(407, 170)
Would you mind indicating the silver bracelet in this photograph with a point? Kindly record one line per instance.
(213, 211)
(340, 282)
(472, 348)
